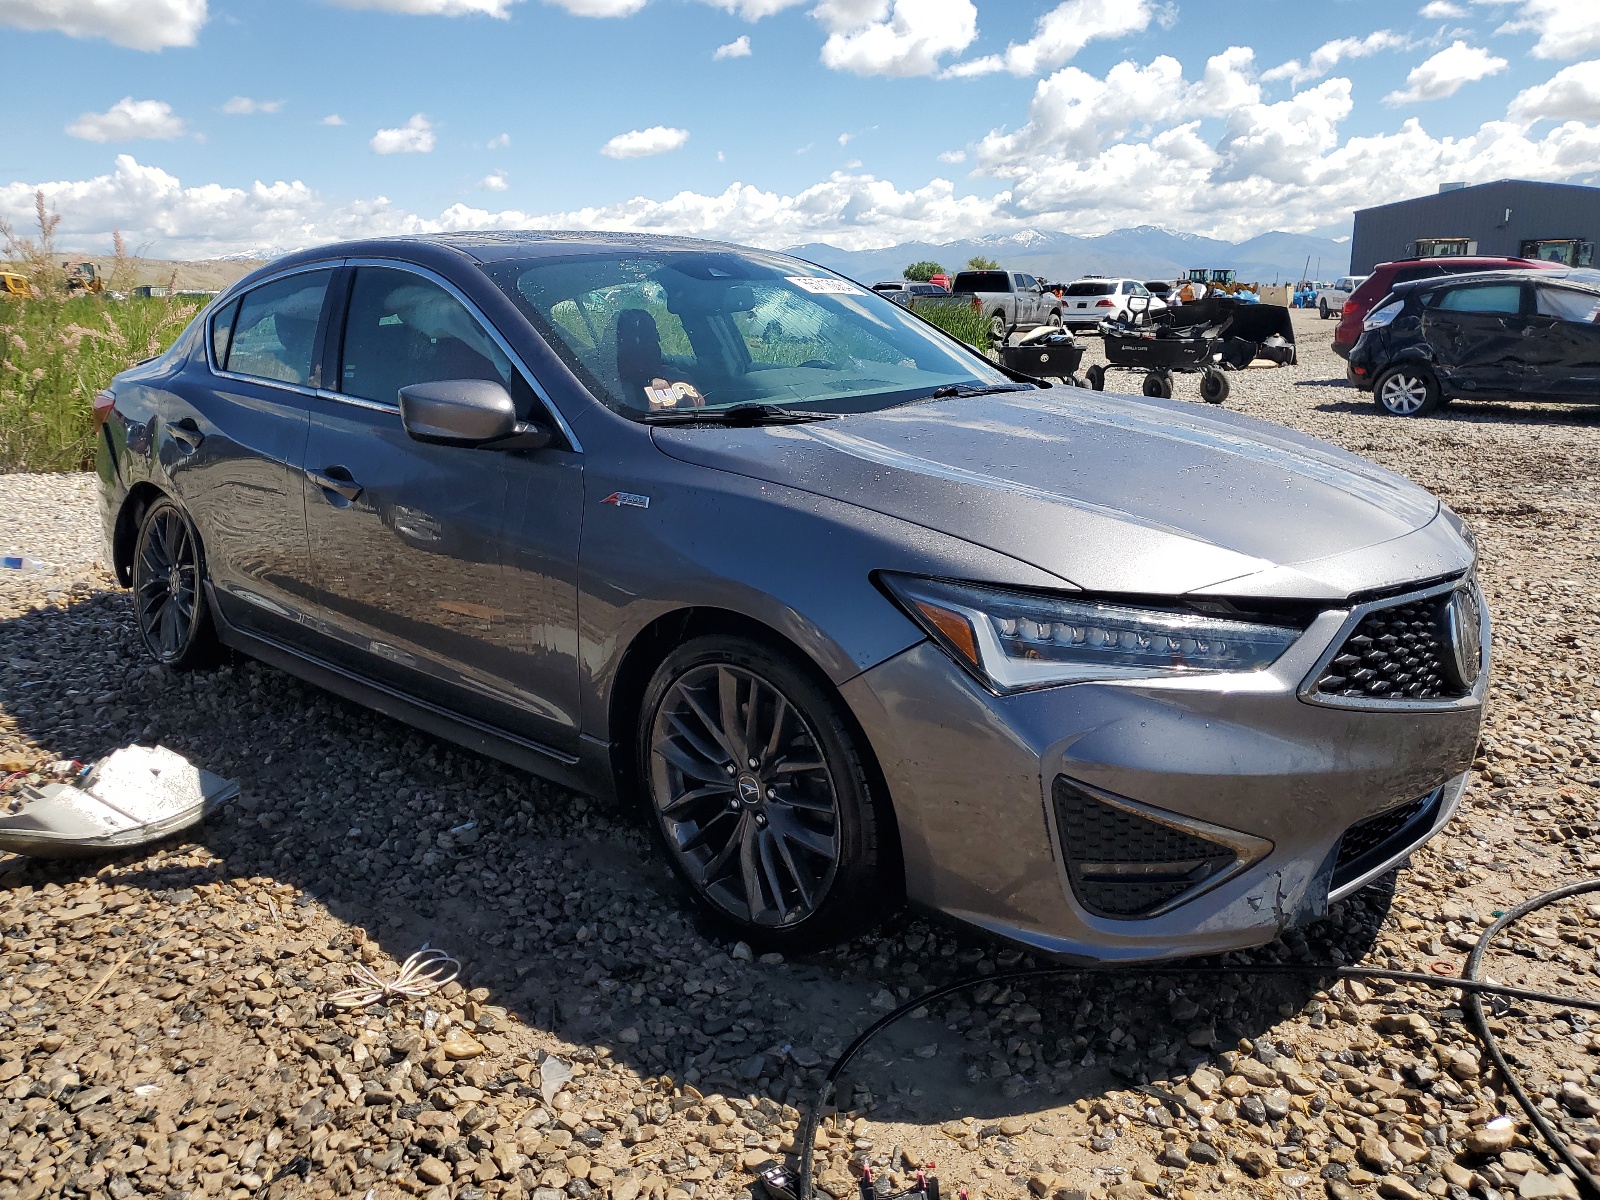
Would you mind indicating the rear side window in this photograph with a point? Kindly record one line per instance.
(1567, 304)
(276, 328)
(403, 329)
(982, 281)
(1091, 289)
(1491, 298)
(222, 333)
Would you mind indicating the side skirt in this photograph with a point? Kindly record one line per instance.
(589, 772)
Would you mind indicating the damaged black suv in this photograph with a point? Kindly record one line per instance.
(1502, 335)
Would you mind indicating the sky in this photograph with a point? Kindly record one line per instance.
(207, 128)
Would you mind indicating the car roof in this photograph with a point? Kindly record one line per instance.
(1583, 277)
(1472, 259)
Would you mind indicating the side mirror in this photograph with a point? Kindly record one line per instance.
(467, 412)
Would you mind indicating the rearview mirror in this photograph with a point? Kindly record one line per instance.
(467, 412)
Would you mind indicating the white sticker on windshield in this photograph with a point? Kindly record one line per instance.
(823, 287)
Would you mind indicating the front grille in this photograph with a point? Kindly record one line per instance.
(1371, 841)
(1395, 653)
(1122, 864)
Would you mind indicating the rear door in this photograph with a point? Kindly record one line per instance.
(448, 573)
(1477, 335)
(1026, 302)
(239, 449)
(1563, 344)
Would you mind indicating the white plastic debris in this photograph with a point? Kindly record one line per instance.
(136, 795)
(553, 1076)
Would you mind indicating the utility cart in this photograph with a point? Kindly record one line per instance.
(1161, 350)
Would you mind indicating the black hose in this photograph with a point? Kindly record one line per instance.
(1468, 983)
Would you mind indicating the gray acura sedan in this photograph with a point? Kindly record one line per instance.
(853, 614)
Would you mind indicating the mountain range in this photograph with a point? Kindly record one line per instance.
(1143, 252)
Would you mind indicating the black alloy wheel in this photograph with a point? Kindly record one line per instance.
(167, 581)
(758, 794)
(1406, 391)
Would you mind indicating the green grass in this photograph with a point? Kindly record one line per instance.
(957, 318)
(56, 352)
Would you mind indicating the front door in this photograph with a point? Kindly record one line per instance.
(1563, 345)
(1477, 334)
(447, 572)
(240, 447)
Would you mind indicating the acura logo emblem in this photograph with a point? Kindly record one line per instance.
(1464, 625)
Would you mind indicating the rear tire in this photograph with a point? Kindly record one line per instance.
(1322, 309)
(1158, 385)
(1406, 391)
(169, 603)
(790, 853)
(1096, 376)
(997, 329)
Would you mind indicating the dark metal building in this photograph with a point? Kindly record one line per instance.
(1510, 218)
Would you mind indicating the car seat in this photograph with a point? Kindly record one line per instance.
(638, 348)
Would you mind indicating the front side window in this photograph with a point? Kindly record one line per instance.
(1504, 298)
(275, 332)
(402, 328)
(678, 330)
(222, 333)
(1568, 304)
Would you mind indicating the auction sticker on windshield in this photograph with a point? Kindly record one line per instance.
(823, 287)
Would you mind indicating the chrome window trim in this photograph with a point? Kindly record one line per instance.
(495, 334)
(358, 402)
(1308, 686)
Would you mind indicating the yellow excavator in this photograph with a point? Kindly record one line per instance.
(1215, 281)
(82, 277)
(12, 284)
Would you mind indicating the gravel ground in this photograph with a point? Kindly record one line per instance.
(164, 1026)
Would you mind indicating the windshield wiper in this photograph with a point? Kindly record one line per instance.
(737, 415)
(973, 389)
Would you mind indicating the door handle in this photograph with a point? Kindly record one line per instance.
(336, 480)
(188, 432)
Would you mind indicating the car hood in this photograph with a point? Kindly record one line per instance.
(1107, 492)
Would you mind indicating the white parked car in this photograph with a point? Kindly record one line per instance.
(1094, 298)
(1331, 298)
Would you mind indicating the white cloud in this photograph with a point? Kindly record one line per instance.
(1566, 28)
(1330, 54)
(846, 138)
(414, 137)
(333, 119)
(1060, 34)
(128, 120)
(495, 181)
(1439, 10)
(953, 156)
(641, 143)
(1446, 73)
(738, 48)
(500, 141)
(600, 8)
(754, 10)
(894, 37)
(1570, 94)
(137, 24)
(241, 106)
(437, 8)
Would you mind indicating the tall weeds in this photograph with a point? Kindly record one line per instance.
(57, 349)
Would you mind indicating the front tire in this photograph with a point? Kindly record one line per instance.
(1214, 386)
(169, 589)
(1406, 391)
(1096, 376)
(757, 793)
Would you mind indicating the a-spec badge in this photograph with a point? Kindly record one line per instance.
(627, 500)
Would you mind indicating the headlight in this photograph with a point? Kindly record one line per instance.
(1017, 640)
(1379, 317)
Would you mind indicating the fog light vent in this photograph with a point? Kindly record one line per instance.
(1124, 863)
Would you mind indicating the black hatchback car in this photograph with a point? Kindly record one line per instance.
(1502, 335)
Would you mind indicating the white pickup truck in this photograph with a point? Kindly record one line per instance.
(1008, 298)
(1331, 298)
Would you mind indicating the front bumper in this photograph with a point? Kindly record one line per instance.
(973, 777)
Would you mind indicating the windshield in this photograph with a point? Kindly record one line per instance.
(1091, 289)
(670, 331)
